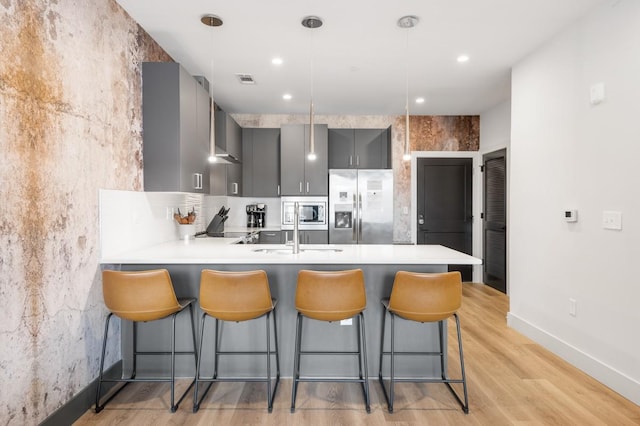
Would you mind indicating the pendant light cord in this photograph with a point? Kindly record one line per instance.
(312, 142)
(407, 155)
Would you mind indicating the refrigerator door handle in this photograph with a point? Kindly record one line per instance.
(354, 222)
(359, 217)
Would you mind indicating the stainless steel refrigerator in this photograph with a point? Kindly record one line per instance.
(360, 206)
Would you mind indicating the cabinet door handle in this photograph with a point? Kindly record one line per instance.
(234, 187)
(350, 160)
(357, 160)
(278, 189)
(197, 181)
(301, 187)
(307, 187)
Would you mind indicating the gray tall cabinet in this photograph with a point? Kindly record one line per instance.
(298, 174)
(175, 120)
(260, 162)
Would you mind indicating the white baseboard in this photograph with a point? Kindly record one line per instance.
(607, 375)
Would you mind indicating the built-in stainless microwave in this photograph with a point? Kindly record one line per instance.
(313, 212)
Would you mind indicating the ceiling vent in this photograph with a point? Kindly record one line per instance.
(246, 79)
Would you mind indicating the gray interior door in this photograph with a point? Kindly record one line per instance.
(445, 210)
(494, 225)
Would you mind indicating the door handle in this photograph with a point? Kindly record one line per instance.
(360, 217)
(420, 219)
(354, 219)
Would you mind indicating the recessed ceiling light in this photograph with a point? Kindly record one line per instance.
(420, 100)
(463, 58)
(276, 61)
(287, 97)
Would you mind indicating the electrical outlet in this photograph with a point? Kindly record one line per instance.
(169, 213)
(572, 306)
(346, 321)
(612, 220)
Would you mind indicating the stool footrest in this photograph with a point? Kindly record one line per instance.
(237, 379)
(422, 380)
(330, 380)
(246, 353)
(164, 353)
(414, 353)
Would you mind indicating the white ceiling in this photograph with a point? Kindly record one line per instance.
(359, 56)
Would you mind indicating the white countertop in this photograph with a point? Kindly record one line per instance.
(222, 250)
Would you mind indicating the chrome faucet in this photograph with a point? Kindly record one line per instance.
(296, 234)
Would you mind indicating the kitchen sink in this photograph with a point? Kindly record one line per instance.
(289, 250)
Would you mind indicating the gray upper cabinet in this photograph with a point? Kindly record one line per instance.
(260, 162)
(175, 120)
(359, 148)
(226, 179)
(298, 174)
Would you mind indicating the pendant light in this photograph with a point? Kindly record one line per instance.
(407, 22)
(311, 22)
(212, 21)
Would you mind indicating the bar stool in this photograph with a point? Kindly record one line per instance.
(237, 296)
(142, 296)
(331, 296)
(424, 298)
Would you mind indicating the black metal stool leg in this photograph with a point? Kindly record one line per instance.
(380, 379)
(269, 406)
(104, 351)
(296, 362)
(173, 362)
(465, 405)
(363, 355)
(392, 369)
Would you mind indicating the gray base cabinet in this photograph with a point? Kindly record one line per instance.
(260, 162)
(298, 174)
(175, 120)
(324, 335)
(360, 148)
(307, 237)
(314, 237)
(270, 237)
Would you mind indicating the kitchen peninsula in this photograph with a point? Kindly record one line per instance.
(185, 260)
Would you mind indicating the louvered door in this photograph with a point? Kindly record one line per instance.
(495, 220)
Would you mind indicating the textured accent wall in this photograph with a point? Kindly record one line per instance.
(70, 123)
(428, 133)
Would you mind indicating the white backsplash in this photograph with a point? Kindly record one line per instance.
(130, 220)
(238, 212)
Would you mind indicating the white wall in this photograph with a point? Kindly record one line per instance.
(566, 153)
(495, 128)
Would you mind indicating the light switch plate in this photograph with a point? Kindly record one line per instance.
(596, 93)
(612, 220)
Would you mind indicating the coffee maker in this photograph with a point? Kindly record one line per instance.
(256, 215)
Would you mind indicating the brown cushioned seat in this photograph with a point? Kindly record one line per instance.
(237, 296)
(423, 297)
(331, 296)
(142, 296)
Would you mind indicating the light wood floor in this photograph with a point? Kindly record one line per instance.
(511, 380)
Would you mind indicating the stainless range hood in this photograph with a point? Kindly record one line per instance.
(223, 157)
(218, 137)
